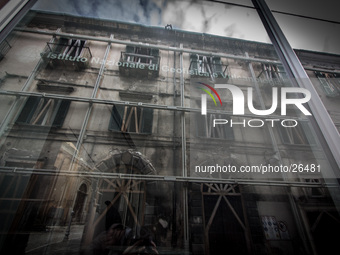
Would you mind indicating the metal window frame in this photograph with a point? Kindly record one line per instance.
(322, 122)
(11, 14)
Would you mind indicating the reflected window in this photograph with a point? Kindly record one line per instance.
(80, 202)
(275, 74)
(314, 192)
(209, 66)
(68, 52)
(44, 112)
(72, 47)
(131, 119)
(329, 83)
(204, 127)
(271, 71)
(141, 55)
(301, 134)
(139, 61)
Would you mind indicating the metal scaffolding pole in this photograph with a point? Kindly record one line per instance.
(89, 110)
(174, 164)
(184, 160)
(73, 164)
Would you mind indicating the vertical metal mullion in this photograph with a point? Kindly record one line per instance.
(322, 123)
(184, 167)
(184, 159)
(174, 163)
(55, 110)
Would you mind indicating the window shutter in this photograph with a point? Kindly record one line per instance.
(130, 49)
(62, 44)
(61, 113)
(154, 52)
(193, 62)
(324, 83)
(325, 86)
(28, 110)
(147, 120)
(282, 74)
(116, 118)
(337, 82)
(217, 65)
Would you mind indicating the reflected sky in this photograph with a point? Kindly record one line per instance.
(217, 18)
(202, 17)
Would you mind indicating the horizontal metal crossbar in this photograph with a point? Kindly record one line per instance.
(147, 45)
(103, 175)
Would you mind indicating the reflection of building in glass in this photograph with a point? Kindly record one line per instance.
(101, 125)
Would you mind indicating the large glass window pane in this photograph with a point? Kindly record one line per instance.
(160, 126)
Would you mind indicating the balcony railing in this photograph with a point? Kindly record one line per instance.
(272, 76)
(138, 65)
(216, 70)
(76, 55)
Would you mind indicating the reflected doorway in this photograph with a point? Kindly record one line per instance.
(80, 202)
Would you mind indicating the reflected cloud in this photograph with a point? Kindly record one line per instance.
(195, 16)
(148, 12)
(230, 30)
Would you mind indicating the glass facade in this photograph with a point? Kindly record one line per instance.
(176, 128)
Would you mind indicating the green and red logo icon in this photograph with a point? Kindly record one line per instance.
(209, 93)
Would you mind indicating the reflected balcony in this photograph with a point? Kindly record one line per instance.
(68, 53)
